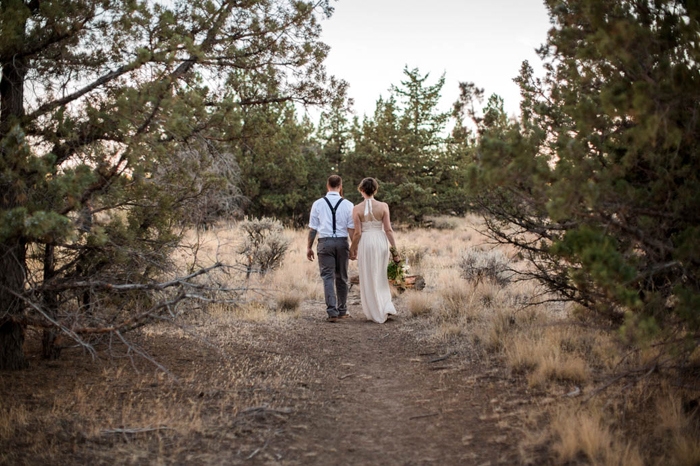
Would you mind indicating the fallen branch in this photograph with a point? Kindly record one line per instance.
(265, 409)
(258, 450)
(441, 358)
(423, 416)
(135, 430)
(179, 281)
(646, 371)
(440, 368)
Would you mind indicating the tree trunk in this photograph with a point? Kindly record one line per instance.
(12, 277)
(11, 343)
(50, 347)
(12, 249)
(11, 96)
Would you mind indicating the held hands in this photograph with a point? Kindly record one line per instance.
(395, 256)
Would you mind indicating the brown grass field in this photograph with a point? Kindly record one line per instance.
(468, 373)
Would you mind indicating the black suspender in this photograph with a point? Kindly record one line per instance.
(333, 209)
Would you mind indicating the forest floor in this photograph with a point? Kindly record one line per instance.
(286, 390)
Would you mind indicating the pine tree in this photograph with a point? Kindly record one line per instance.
(282, 169)
(96, 97)
(403, 146)
(334, 130)
(598, 184)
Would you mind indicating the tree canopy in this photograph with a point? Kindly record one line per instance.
(597, 183)
(96, 98)
(405, 147)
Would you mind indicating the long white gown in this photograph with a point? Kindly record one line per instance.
(372, 261)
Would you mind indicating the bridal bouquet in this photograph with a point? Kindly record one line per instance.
(396, 271)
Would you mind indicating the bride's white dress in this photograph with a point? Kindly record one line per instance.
(372, 261)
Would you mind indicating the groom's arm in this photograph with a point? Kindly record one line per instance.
(310, 244)
(355, 234)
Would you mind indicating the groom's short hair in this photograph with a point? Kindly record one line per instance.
(334, 181)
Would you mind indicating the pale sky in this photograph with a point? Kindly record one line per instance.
(483, 41)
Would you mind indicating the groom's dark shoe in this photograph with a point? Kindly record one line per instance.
(332, 319)
(345, 316)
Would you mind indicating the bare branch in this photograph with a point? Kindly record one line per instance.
(180, 281)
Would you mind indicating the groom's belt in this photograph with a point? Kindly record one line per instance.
(332, 237)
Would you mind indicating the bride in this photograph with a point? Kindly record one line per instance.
(370, 248)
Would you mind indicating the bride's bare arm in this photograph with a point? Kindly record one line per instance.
(386, 222)
(356, 234)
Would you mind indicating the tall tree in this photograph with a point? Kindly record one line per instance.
(333, 132)
(403, 146)
(280, 163)
(452, 194)
(599, 183)
(95, 96)
(376, 144)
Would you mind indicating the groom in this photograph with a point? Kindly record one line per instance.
(331, 221)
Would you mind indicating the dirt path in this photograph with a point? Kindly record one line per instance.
(274, 390)
(381, 397)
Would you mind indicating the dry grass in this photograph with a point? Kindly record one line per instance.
(543, 353)
(680, 429)
(289, 302)
(443, 222)
(585, 433)
(546, 349)
(125, 411)
(554, 350)
(297, 275)
(418, 303)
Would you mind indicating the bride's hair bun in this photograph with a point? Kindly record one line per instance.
(368, 186)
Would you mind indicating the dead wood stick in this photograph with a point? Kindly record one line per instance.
(262, 409)
(258, 450)
(613, 380)
(176, 282)
(135, 430)
(421, 416)
(488, 376)
(440, 368)
(442, 358)
(343, 377)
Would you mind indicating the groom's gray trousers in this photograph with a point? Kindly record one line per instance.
(333, 258)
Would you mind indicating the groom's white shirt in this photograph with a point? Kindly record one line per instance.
(321, 218)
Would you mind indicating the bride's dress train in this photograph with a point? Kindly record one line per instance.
(372, 262)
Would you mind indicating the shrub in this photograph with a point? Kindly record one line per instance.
(413, 255)
(443, 222)
(264, 245)
(477, 265)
